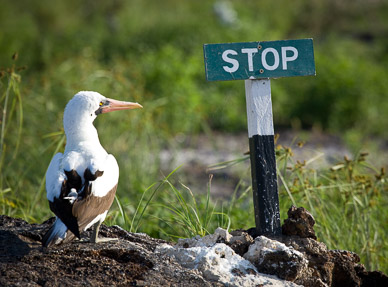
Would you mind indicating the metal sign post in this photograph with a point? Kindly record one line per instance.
(256, 62)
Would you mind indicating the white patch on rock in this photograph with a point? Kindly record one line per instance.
(220, 235)
(217, 261)
(275, 257)
(264, 245)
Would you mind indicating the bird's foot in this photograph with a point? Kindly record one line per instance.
(94, 237)
(102, 239)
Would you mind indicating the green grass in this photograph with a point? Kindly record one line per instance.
(348, 202)
(151, 52)
(11, 130)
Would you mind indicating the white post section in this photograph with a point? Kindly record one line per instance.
(262, 154)
(259, 107)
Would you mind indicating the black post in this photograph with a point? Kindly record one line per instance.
(262, 154)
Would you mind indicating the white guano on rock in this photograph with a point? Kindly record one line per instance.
(217, 261)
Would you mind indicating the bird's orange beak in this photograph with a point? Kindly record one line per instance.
(115, 105)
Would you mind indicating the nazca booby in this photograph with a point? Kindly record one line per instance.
(81, 183)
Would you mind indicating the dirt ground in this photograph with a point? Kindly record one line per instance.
(196, 154)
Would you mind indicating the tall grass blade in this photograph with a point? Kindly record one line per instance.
(134, 227)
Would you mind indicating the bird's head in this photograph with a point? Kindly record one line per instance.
(85, 106)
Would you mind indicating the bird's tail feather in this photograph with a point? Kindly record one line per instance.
(56, 234)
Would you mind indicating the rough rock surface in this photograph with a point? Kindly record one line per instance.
(129, 261)
(299, 222)
(219, 259)
(272, 257)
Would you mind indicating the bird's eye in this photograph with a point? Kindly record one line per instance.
(101, 103)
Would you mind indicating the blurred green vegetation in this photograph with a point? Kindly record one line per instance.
(151, 52)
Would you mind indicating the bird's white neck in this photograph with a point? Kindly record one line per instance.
(80, 132)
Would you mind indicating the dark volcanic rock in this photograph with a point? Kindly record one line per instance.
(134, 259)
(300, 222)
(240, 241)
(325, 267)
(129, 261)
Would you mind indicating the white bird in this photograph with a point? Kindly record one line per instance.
(81, 183)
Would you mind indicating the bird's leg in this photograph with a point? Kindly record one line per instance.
(94, 237)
